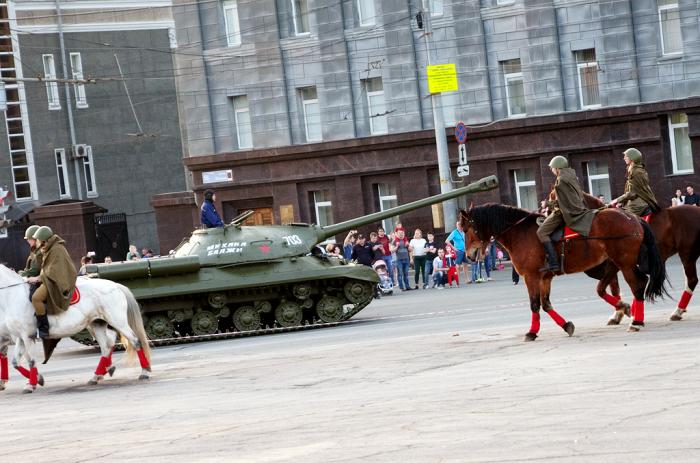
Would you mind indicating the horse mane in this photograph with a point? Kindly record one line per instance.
(493, 219)
(9, 274)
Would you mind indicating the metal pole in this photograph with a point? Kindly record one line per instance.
(449, 208)
(69, 108)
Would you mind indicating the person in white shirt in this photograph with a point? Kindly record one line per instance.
(417, 248)
(440, 270)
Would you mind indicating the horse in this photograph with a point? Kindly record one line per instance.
(614, 236)
(105, 308)
(677, 231)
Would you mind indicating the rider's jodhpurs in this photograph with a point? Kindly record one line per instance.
(549, 226)
(39, 299)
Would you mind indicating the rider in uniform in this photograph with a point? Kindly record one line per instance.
(568, 208)
(33, 266)
(638, 198)
(57, 278)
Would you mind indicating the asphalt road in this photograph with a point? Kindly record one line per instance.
(422, 376)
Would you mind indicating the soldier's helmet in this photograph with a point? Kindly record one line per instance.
(43, 233)
(559, 162)
(29, 234)
(633, 154)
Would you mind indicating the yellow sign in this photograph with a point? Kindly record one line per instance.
(442, 78)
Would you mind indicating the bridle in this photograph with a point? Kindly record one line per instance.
(472, 224)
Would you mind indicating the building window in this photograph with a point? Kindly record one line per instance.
(311, 113)
(587, 73)
(376, 106)
(323, 208)
(233, 28)
(365, 12)
(62, 173)
(300, 11)
(670, 27)
(76, 65)
(386, 193)
(599, 179)
(505, 2)
(436, 7)
(89, 171)
(515, 89)
(241, 117)
(51, 87)
(681, 151)
(525, 189)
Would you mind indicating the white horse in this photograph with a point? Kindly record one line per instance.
(105, 309)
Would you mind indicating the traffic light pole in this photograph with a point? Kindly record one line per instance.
(449, 208)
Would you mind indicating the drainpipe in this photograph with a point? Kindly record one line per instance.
(415, 65)
(69, 108)
(349, 65)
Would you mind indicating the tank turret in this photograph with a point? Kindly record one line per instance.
(242, 279)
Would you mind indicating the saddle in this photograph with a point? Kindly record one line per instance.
(564, 233)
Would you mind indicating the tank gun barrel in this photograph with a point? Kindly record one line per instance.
(485, 184)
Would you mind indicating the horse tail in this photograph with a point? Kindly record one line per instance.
(136, 324)
(656, 267)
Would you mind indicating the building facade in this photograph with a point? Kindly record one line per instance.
(319, 111)
(91, 106)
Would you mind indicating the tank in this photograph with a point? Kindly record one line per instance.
(242, 280)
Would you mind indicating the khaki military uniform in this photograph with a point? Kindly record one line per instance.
(33, 266)
(57, 276)
(568, 208)
(638, 196)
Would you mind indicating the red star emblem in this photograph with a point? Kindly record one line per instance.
(265, 249)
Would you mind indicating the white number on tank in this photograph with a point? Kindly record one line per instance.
(293, 240)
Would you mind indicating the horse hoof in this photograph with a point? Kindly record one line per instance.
(111, 371)
(625, 307)
(40, 380)
(613, 321)
(677, 316)
(28, 389)
(635, 327)
(2, 386)
(530, 337)
(144, 377)
(95, 380)
(569, 328)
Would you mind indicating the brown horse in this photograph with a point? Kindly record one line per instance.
(677, 231)
(614, 236)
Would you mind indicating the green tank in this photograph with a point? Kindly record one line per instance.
(241, 280)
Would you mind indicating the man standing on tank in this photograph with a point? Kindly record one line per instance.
(208, 215)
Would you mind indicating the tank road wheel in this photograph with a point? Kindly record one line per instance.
(159, 326)
(330, 309)
(302, 291)
(288, 314)
(204, 322)
(358, 291)
(246, 318)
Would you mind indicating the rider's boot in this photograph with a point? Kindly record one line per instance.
(42, 326)
(552, 264)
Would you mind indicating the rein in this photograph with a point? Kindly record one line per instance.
(16, 284)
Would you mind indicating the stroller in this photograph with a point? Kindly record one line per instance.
(385, 287)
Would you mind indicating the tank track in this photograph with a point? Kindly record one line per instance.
(85, 339)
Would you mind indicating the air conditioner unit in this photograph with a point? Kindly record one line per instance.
(80, 151)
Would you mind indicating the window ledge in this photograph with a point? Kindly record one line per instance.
(671, 57)
(595, 106)
(54, 108)
(517, 116)
(680, 174)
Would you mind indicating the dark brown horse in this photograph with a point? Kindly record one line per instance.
(614, 236)
(677, 231)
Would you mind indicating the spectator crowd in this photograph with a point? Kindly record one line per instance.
(434, 264)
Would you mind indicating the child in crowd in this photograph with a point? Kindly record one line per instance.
(452, 274)
(440, 267)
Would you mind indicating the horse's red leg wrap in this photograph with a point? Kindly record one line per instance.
(4, 369)
(638, 310)
(685, 299)
(612, 300)
(556, 317)
(143, 359)
(109, 358)
(23, 371)
(101, 369)
(33, 376)
(535, 326)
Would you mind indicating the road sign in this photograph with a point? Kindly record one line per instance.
(442, 78)
(461, 132)
(462, 152)
(462, 171)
